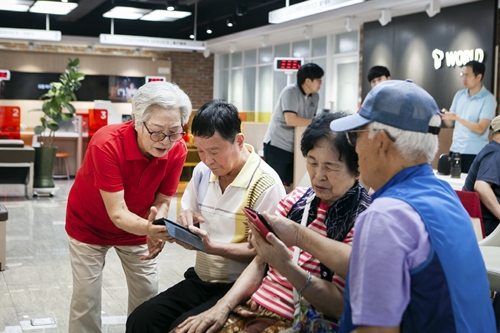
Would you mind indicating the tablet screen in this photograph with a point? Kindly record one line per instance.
(182, 233)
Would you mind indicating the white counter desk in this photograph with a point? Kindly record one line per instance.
(456, 183)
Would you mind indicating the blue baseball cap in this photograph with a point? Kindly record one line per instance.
(400, 104)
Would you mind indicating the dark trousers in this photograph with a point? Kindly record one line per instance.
(490, 224)
(281, 161)
(167, 310)
(467, 160)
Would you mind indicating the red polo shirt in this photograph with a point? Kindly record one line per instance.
(113, 163)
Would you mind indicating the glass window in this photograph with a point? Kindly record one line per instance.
(236, 96)
(265, 55)
(237, 59)
(224, 61)
(321, 63)
(346, 42)
(300, 49)
(249, 89)
(265, 94)
(223, 85)
(280, 79)
(282, 50)
(250, 57)
(319, 47)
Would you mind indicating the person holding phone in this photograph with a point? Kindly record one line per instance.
(470, 113)
(230, 177)
(335, 200)
(129, 174)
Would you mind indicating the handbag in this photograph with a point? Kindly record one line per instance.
(306, 317)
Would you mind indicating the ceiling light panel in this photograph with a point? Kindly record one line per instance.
(126, 13)
(165, 15)
(53, 7)
(15, 5)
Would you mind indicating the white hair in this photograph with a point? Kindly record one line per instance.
(412, 146)
(164, 94)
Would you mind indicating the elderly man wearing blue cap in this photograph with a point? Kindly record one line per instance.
(415, 264)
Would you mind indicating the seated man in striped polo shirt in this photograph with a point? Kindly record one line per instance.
(329, 207)
(231, 176)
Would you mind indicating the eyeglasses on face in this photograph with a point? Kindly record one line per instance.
(160, 136)
(352, 136)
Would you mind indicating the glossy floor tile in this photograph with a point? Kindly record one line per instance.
(37, 281)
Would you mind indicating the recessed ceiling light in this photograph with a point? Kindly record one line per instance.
(15, 5)
(53, 7)
(126, 13)
(165, 15)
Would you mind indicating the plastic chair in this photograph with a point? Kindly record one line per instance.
(472, 204)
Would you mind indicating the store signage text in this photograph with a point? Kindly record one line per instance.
(456, 58)
(31, 34)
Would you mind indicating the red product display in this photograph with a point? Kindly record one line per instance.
(10, 122)
(97, 118)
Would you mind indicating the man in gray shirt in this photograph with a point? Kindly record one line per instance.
(296, 106)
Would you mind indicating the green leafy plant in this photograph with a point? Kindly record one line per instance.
(57, 99)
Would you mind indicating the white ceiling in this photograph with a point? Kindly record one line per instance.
(322, 24)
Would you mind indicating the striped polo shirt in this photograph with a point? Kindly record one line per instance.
(275, 292)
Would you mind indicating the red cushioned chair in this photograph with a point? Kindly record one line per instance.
(471, 203)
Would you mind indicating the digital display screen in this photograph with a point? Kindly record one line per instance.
(155, 79)
(33, 85)
(289, 64)
(123, 88)
(4, 75)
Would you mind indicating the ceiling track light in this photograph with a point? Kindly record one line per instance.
(308, 31)
(265, 41)
(433, 8)
(172, 5)
(230, 22)
(349, 23)
(241, 9)
(232, 47)
(209, 30)
(385, 17)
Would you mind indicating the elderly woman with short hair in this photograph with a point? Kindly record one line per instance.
(330, 207)
(129, 174)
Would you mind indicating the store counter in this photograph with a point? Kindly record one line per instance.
(456, 183)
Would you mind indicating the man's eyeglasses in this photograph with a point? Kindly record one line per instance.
(352, 136)
(160, 136)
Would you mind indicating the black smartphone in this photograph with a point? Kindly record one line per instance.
(180, 232)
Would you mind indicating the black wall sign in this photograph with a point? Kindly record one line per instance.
(33, 85)
(407, 43)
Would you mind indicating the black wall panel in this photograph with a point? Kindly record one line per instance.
(406, 44)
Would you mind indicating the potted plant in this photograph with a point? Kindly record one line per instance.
(55, 101)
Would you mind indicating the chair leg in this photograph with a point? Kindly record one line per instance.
(67, 167)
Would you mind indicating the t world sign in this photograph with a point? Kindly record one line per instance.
(456, 58)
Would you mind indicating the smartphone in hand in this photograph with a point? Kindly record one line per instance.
(258, 221)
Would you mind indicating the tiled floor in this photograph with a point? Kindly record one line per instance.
(37, 282)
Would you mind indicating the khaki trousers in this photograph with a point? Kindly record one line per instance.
(87, 263)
